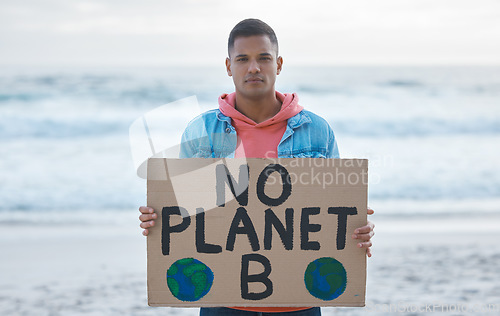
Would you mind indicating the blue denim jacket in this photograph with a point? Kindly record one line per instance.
(211, 135)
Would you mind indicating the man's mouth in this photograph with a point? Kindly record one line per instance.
(254, 79)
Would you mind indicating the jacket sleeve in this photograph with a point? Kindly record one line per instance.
(187, 149)
(333, 150)
(195, 141)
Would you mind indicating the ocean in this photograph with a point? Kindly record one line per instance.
(431, 134)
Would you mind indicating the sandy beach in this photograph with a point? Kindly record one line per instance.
(419, 267)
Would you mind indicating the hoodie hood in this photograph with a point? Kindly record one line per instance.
(289, 108)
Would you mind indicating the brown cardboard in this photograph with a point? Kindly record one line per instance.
(315, 182)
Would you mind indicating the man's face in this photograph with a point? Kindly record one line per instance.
(253, 63)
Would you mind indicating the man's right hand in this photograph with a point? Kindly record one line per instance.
(147, 218)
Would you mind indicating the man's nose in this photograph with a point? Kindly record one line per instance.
(253, 67)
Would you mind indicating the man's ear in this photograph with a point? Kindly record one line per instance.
(280, 64)
(228, 66)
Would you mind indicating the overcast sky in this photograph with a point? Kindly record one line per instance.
(166, 32)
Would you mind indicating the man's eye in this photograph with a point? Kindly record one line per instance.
(241, 59)
(265, 58)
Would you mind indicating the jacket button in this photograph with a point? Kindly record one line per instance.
(228, 130)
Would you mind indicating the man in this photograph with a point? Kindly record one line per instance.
(258, 121)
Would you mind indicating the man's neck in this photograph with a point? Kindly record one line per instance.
(258, 110)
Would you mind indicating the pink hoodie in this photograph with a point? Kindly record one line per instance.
(259, 140)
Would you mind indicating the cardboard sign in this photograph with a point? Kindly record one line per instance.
(256, 232)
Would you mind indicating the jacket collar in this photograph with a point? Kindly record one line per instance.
(299, 119)
(222, 117)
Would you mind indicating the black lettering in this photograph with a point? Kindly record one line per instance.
(285, 180)
(286, 234)
(239, 189)
(201, 245)
(166, 229)
(261, 277)
(342, 213)
(241, 215)
(306, 227)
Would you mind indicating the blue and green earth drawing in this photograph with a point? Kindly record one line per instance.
(325, 278)
(189, 279)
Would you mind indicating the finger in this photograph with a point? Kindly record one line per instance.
(146, 210)
(145, 232)
(369, 252)
(369, 211)
(147, 224)
(372, 225)
(364, 237)
(147, 217)
(365, 244)
(363, 230)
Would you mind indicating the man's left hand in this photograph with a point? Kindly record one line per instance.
(364, 234)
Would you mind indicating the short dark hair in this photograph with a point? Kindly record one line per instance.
(251, 27)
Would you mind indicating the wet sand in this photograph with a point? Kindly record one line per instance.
(81, 269)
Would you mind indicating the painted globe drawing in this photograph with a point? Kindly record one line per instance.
(189, 279)
(325, 278)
